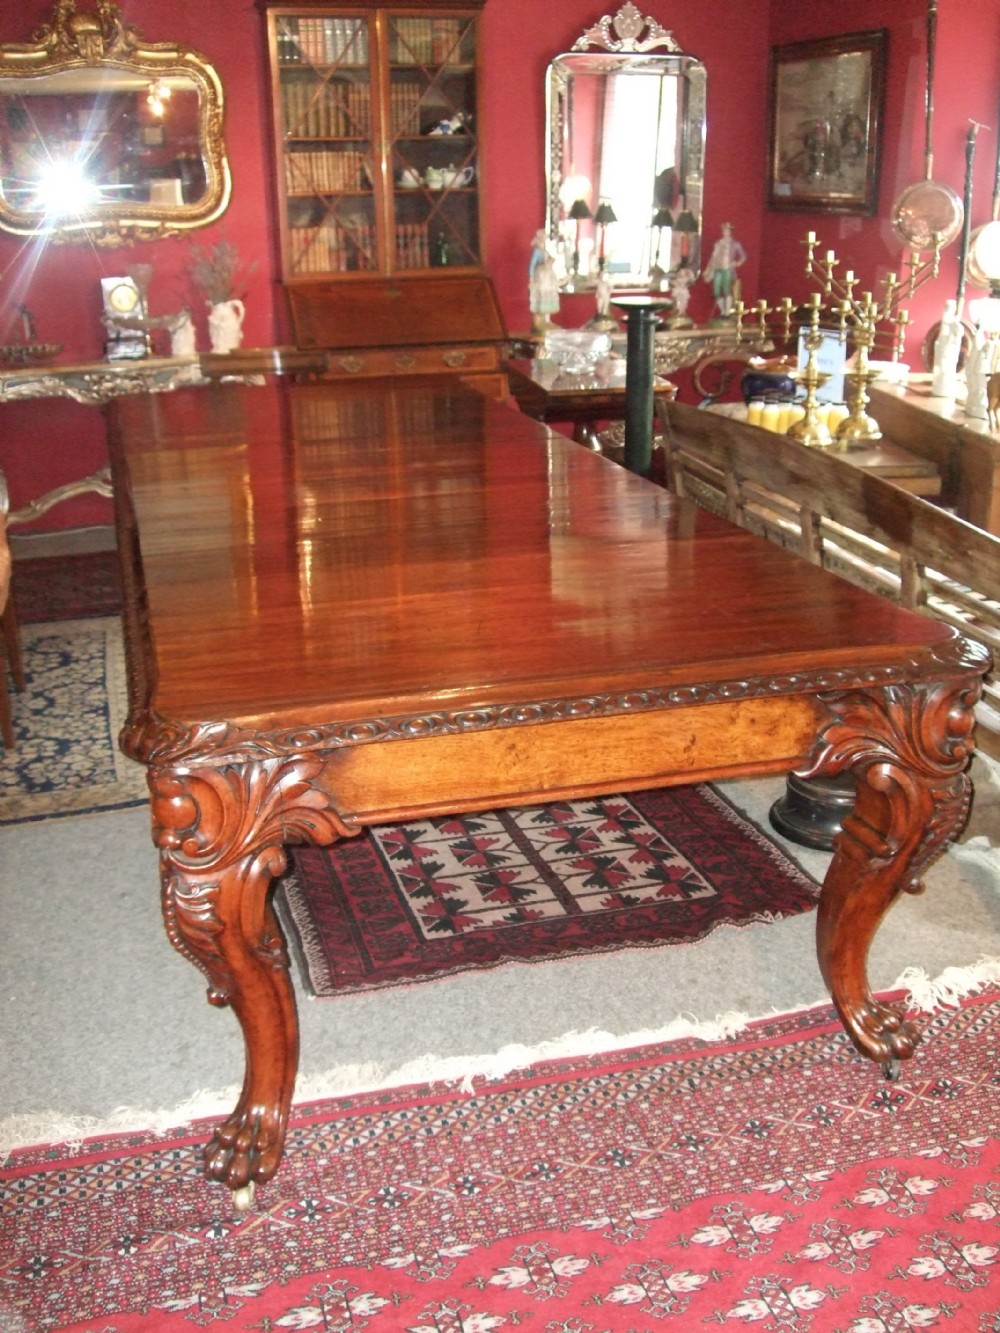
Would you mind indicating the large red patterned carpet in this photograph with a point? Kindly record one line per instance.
(405, 902)
(773, 1182)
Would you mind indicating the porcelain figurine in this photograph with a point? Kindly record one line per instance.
(947, 345)
(722, 270)
(543, 284)
(182, 335)
(977, 372)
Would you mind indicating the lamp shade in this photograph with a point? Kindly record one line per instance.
(686, 221)
(579, 210)
(605, 214)
(663, 218)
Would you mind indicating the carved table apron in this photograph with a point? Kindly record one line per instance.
(351, 604)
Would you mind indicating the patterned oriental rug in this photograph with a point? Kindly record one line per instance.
(774, 1182)
(406, 902)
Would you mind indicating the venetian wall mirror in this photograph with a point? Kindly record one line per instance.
(625, 131)
(107, 137)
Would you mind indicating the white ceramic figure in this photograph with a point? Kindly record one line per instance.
(680, 286)
(947, 345)
(978, 368)
(182, 335)
(225, 324)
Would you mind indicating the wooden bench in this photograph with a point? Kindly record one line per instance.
(833, 514)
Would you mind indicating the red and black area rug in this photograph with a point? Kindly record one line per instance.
(772, 1182)
(407, 902)
(76, 587)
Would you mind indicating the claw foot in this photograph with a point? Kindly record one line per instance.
(246, 1148)
(884, 1034)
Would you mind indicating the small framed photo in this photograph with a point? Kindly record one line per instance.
(826, 110)
(152, 136)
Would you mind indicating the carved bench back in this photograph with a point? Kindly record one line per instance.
(836, 515)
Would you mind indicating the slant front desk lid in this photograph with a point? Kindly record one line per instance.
(395, 312)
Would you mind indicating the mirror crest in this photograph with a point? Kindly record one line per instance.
(105, 137)
(628, 25)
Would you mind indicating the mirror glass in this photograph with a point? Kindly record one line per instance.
(625, 161)
(108, 137)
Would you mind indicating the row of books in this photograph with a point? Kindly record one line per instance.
(322, 41)
(331, 41)
(428, 41)
(404, 107)
(331, 110)
(413, 248)
(324, 172)
(331, 248)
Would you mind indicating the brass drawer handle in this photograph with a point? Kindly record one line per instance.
(455, 359)
(405, 361)
(351, 363)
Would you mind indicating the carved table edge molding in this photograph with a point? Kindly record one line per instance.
(155, 740)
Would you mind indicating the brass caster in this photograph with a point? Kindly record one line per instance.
(892, 1069)
(243, 1197)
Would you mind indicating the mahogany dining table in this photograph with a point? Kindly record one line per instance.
(348, 604)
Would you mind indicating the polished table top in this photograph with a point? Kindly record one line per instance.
(348, 604)
(381, 555)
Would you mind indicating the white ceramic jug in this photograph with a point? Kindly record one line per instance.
(453, 176)
(225, 324)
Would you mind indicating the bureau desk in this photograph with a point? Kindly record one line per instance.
(358, 603)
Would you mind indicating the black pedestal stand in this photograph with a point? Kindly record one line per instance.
(642, 314)
(812, 809)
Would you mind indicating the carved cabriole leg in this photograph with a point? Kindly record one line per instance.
(908, 747)
(221, 833)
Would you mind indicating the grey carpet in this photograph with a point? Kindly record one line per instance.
(99, 1013)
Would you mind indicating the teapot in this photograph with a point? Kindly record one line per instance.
(456, 176)
(434, 178)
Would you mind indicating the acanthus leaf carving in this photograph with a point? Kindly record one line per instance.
(222, 829)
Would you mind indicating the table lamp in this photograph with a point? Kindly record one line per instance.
(577, 213)
(602, 218)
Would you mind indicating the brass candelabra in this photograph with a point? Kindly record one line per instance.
(858, 317)
(811, 429)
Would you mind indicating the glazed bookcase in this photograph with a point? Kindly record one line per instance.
(376, 123)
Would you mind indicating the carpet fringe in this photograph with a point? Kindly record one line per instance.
(19, 1131)
(928, 995)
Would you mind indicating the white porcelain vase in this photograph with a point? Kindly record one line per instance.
(225, 324)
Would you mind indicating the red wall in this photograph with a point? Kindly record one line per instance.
(43, 445)
(966, 86)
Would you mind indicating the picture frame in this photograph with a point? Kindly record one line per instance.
(826, 108)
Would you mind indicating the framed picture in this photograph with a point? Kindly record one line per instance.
(826, 109)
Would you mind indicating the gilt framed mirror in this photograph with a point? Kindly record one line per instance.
(625, 151)
(107, 137)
